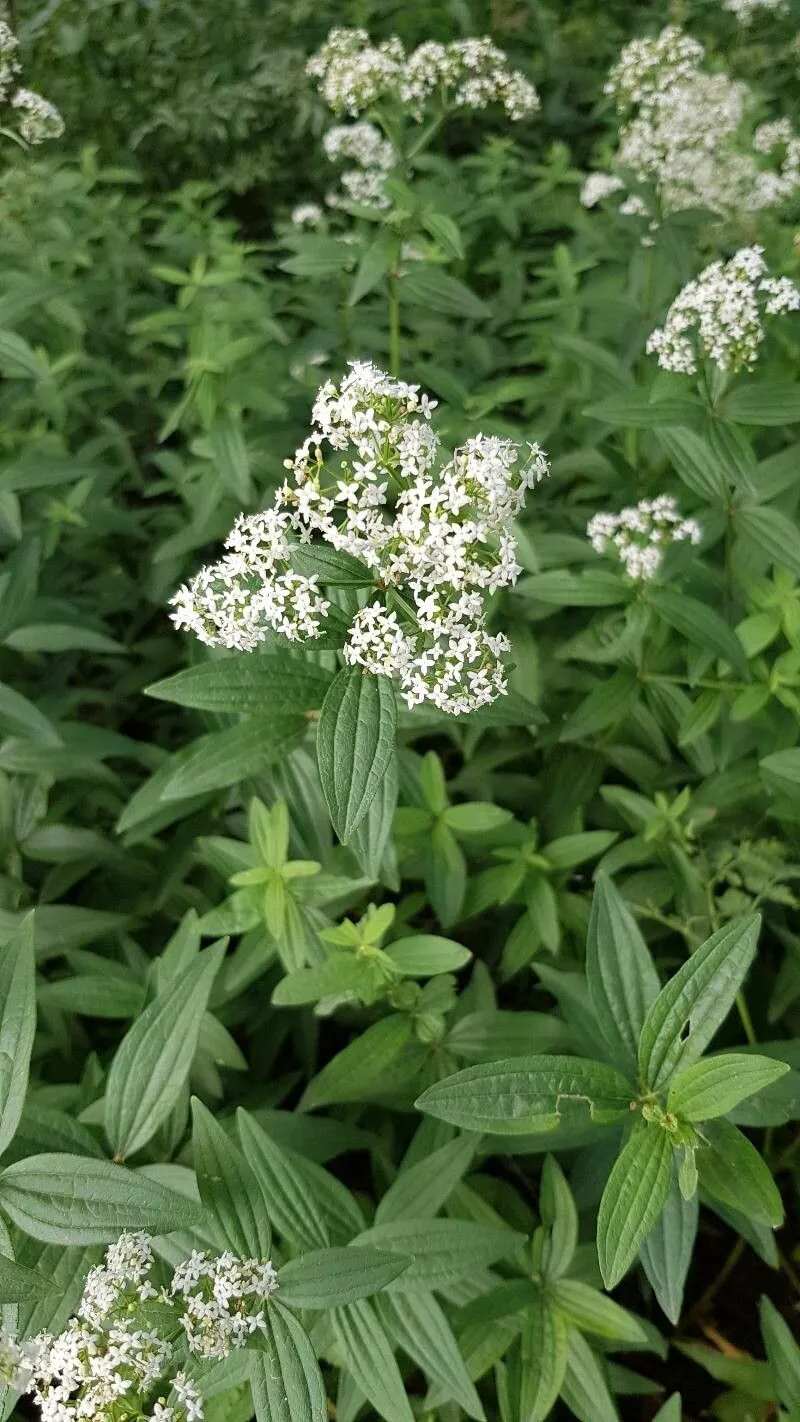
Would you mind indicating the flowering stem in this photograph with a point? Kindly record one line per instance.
(394, 324)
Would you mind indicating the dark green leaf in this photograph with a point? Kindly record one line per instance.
(368, 1356)
(229, 1188)
(700, 623)
(285, 1379)
(248, 683)
(528, 1095)
(667, 1251)
(355, 743)
(622, 980)
(17, 1025)
(713, 1086)
(632, 1200)
(325, 1278)
(68, 1199)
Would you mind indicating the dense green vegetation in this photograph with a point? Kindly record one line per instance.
(429, 925)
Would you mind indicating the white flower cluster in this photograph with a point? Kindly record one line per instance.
(681, 131)
(307, 214)
(354, 74)
(599, 186)
(720, 315)
(219, 1297)
(363, 144)
(104, 1365)
(437, 537)
(38, 118)
(641, 533)
(745, 10)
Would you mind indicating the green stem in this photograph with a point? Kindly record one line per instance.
(746, 1019)
(394, 325)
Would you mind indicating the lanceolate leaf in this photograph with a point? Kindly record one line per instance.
(229, 1188)
(783, 1354)
(17, 1025)
(731, 1169)
(440, 1251)
(69, 1199)
(528, 1094)
(420, 1191)
(355, 743)
(633, 1200)
(324, 1278)
(695, 1002)
(307, 1205)
(584, 1389)
(368, 1356)
(713, 1087)
(667, 1251)
(152, 1063)
(417, 1324)
(285, 1378)
(18, 1284)
(543, 1343)
(366, 1066)
(623, 983)
(701, 624)
(249, 683)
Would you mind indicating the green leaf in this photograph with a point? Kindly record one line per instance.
(636, 411)
(326, 1278)
(604, 707)
(374, 265)
(696, 1001)
(69, 1199)
(699, 623)
(229, 1188)
(783, 1354)
(584, 1389)
(475, 817)
(60, 637)
(425, 955)
(491, 1034)
(621, 976)
(17, 1025)
(372, 838)
(94, 996)
(713, 1087)
(247, 683)
(17, 356)
(20, 717)
(592, 1312)
(763, 402)
(213, 762)
(440, 1251)
(632, 1200)
(543, 1344)
(152, 1063)
(527, 1095)
(444, 231)
(417, 1324)
(355, 744)
(671, 1411)
(341, 972)
(332, 566)
(364, 1067)
(780, 773)
(427, 285)
(731, 1170)
(773, 534)
(420, 1190)
(560, 1218)
(285, 1379)
(573, 849)
(18, 1284)
(667, 1251)
(368, 1357)
(695, 463)
(309, 1207)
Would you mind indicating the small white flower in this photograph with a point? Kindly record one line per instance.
(307, 214)
(640, 534)
(720, 315)
(40, 119)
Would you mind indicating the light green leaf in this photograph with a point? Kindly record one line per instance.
(229, 1188)
(731, 1169)
(621, 976)
(440, 1251)
(17, 356)
(592, 1312)
(285, 1379)
(486, 1036)
(783, 1354)
(701, 624)
(327, 1278)
(417, 1324)
(543, 1343)
(763, 402)
(584, 1389)
(341, 972)
(18, 1284)
(307, 1205)
(17, 1025)
(605, 706)
(772, 532)
(372, 268)
(69, 1199)
(475, 817)
(425, 955)
(560, 1219)
(152, 1063)
(368, 1357)
(632, 1200)
(713, 1086)
(331, 566)
(247, 683)
(429, 286)
(695, 463)
(228, 449)
(528, 1095)
(420, 1190)
(637, 411)
(355, 743)
(366, 1066)
(696, 1001)
(667, 1251)
(372, 838)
